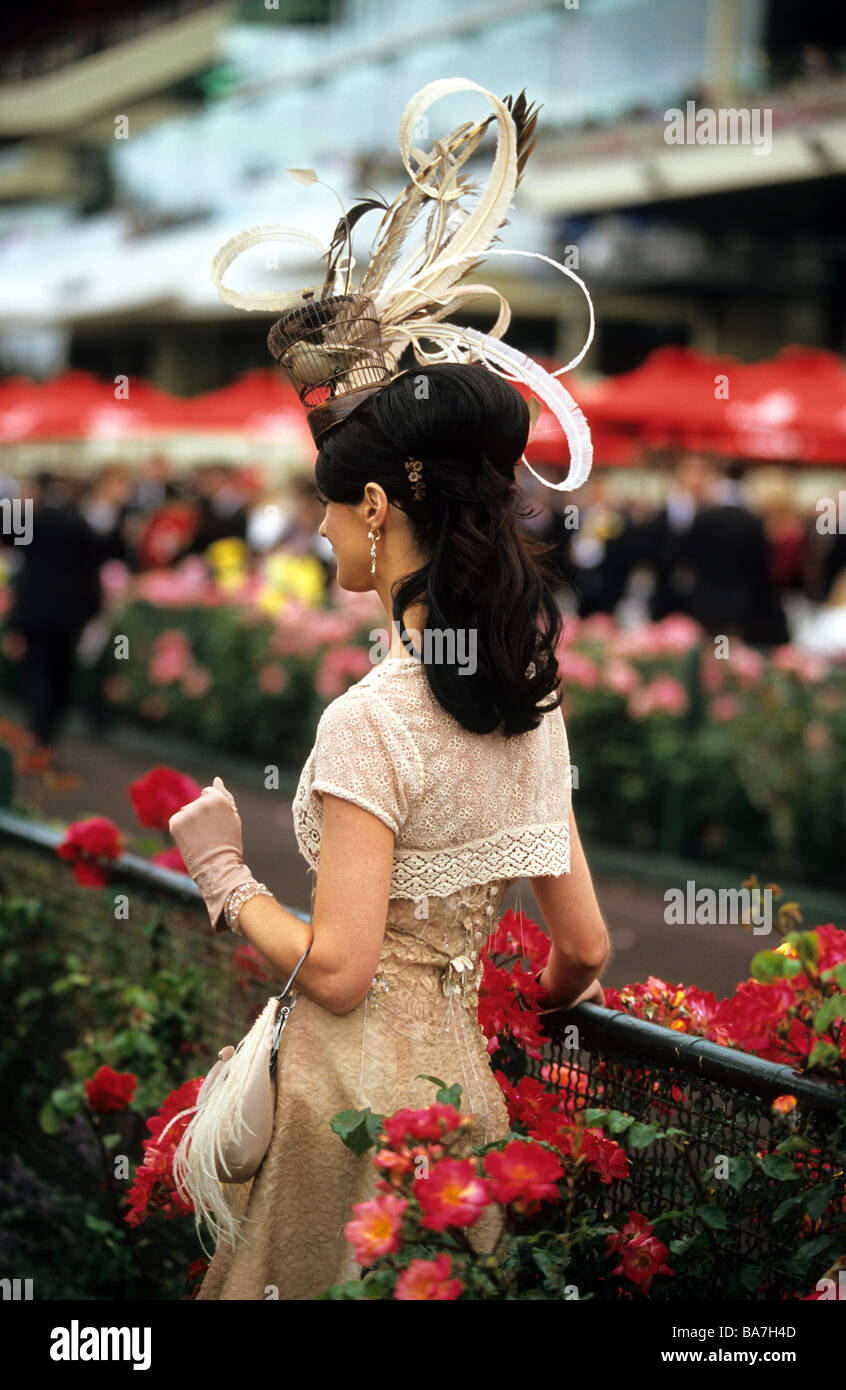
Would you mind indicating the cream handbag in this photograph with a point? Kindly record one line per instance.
(227, 1139)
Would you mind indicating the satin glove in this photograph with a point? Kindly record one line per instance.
(207, 833)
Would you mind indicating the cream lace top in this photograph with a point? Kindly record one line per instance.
(465, 808)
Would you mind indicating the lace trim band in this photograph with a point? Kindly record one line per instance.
(527, 852)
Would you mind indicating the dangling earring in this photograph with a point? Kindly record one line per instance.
(373, 539)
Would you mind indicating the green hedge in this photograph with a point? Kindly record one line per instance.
(148, 996)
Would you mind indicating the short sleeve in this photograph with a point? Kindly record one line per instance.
(364, 753)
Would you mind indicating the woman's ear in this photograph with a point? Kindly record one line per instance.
(376, 497)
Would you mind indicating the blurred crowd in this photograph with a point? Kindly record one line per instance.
(147, 521)
(738, 565)
(742, 563)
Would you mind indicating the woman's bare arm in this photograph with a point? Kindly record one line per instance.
(350, 911)
(580, 946)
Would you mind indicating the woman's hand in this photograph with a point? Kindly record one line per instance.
(594, 994)
(207, 833)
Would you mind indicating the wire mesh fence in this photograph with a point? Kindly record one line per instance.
(720, 1100)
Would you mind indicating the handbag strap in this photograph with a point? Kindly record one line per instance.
(283, 1013)
(296, 972)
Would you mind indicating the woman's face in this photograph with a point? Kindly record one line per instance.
(345, 529)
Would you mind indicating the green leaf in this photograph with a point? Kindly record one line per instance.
(357, 1128)
(740, 1171)
(768, 966)
(779, 1166)
(832, 1009)
(670, 1215)
(73, 981)
(751, 1277)
(837, 973)
(806, 1253)
(66, 1100)
(824, 1054)
(793, 1144)
(549, 1267)
(714, 1217)
(98, 1225)
(787, 1205)
(49, 1119)
(640, 1135)
(678, 1247)
(447, 1095)
(817, 1199)
(618, 1122)
(435, 1080)
(809, 950)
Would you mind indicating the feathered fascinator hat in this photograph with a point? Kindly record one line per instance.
(342, 344)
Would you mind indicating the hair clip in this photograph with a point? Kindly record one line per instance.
(415, 477)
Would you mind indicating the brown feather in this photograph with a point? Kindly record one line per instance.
(397, 222)
(342, 236)
(525, 118)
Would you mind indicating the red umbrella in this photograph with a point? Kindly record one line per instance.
(77, 405)
(61, 406)
(259, 402)
(18, 407)
(133, 408)
(674, 393)
(548, 443)
(793, 406)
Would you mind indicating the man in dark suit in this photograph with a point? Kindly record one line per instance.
(56, 592)
(726, 547)
(661, 540)
(595, 559)
(222, 509)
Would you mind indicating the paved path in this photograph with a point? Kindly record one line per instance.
(712, 957)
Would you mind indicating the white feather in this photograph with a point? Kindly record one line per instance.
(243, 241)
(465, 344)
(472, 234)
(199, 1155)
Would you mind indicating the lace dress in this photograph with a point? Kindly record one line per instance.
(471, 813)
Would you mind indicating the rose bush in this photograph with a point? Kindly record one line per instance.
(707, 748)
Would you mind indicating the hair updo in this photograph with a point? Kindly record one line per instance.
(468, 427)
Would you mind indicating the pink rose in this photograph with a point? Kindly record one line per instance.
(197, 682)
(578, 669)
(747, 665)
(665, 695)
(621, 677)
(724, 708)
(272, 678)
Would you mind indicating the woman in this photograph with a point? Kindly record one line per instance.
(432, 787)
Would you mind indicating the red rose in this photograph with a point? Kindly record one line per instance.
(110, 1090)
(431, 1123)
(160, 794)
(524, 1174)
(85, 843)
(154, 1188)
(753, 1012)
(170, 859)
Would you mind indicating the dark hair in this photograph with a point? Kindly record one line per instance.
(468, 427)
